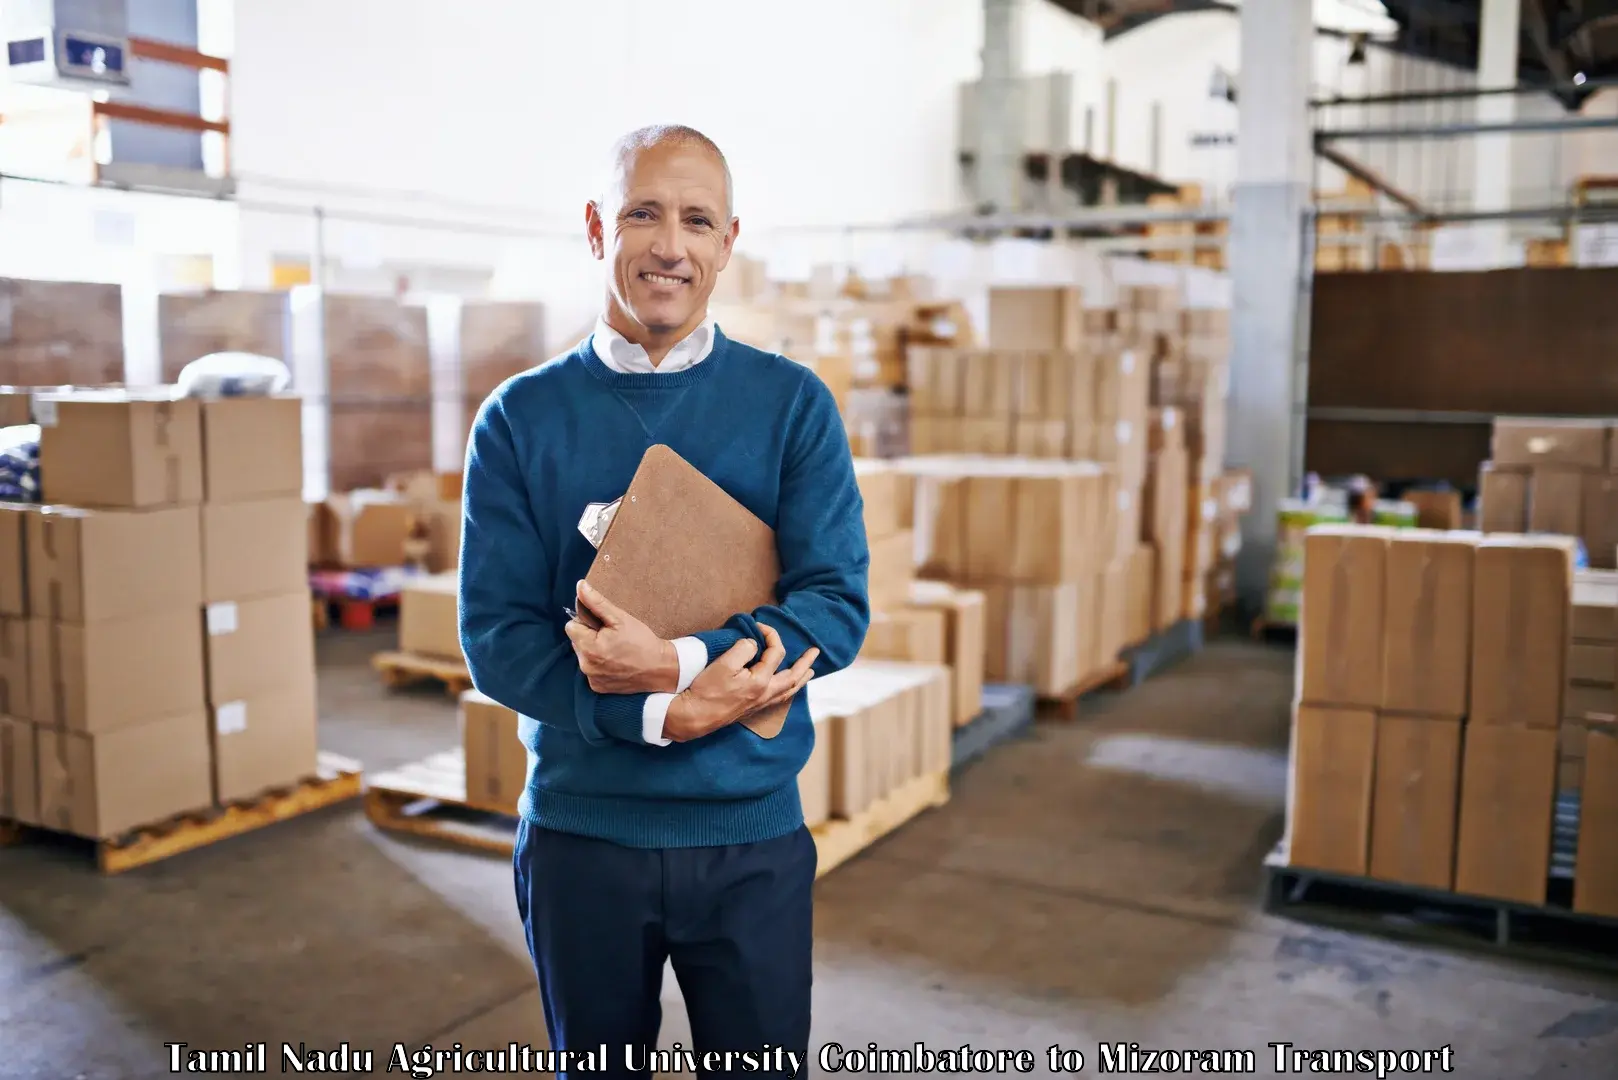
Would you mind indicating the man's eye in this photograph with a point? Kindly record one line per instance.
(701, 223)
(641, 215)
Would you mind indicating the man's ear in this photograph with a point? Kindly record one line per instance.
(595, 230)
(728, 244)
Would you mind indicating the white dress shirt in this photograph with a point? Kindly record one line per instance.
(622, 355)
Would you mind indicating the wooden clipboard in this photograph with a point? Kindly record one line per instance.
(682, 556)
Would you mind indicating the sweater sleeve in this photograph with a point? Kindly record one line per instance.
(823, 598)
(515, 649)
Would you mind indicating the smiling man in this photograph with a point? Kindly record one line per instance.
(654, 826)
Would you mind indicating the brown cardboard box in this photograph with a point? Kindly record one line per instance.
(1582, 702)
(1438, 509)
(366, 528)
(1592, 663)
(255, 646)
(115, 449)
(89, 565)
(965, 645)
(1522, 594)
(252, 448)
(1033, 636)
(13, 566)
(1164, 520)
(1502, 499)
(1344, 595)
(1599, 519)
(914, 634)
(1595, 864)
(893, 568)
(1112, 605)
(1532, 442)
(1595, 606)
(255, 548)
(1142, 589)
(1556, 501)
(14, 673)
(814, 779)
(116, 673)
(1508, 794)
(1333, 760)
(1417, 791)
(105, 784)
(269, 740)
(882, 491)
(1572, 741)
(1124, 532)
(19, 772)
(1427, 620)
(1027, 317)
(496, 760)
(429, 616)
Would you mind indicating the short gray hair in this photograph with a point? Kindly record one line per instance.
(645, 138)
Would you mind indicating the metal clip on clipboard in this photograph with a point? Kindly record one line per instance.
(593, 525)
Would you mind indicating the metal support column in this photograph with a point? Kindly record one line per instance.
(1000, 128)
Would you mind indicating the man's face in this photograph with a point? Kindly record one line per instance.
(666, 234)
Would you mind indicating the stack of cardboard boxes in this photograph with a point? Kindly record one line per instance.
(169, 652)
(1553, 476)
(1589, 700)
(1167, 514)
(1431, 691)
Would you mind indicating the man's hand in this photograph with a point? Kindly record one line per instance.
(728, 690)
(624, 656)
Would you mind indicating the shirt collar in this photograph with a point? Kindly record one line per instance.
(624, 356)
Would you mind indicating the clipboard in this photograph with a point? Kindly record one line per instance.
(681, 555)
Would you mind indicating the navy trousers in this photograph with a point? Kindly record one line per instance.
(736, 922)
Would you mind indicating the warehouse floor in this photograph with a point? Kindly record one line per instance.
(1090, 882)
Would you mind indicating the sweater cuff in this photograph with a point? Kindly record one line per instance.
(719, 642)
(621, 715)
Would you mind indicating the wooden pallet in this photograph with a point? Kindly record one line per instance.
(428, 799)
(406, 669)
(338, 780)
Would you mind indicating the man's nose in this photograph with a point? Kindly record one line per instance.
(668, 243)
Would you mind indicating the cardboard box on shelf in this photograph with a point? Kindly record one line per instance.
(1508, 803)
(13, 565)
(1582, 701)
(1502, 499)
(105, 784)
(119, 449)
(887, 723)
(914, 634)
(80, 562)
(1522, 596)
(115, 673)
(1593, 663)
(883, 490)
(1595, 865)
(1416, 795)
(252, 448)
(255, 646)
(1599, 519)
(14, 673)
(1141, 610)
(19, 772)
(1595, 606)
(965, 645)
(268, 740)
(1572, 740)
(254, 548)
(893, 568)
(429, 616)
(1329, 805)
(1556, 501)
(1427, 623)
(365, 529)
(1532, 442)
(1033, 635)
(496, 760)
(1344, 596)
(1112, 611)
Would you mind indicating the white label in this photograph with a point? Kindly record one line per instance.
(1123, 432)
(1170, 419)
(1126, 363)
(1210, 509)
(44, 412)
(221, 618)
(1125, 498)
(231, 718)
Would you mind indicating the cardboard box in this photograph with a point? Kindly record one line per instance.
(1032, 633)
(103, 785)
(1532, 442)
(255, 548)
(254, 647)
(1027, 317)
(882, 489)
(115, 449)
(1508, 794)
(252, 448)
(1599, 519)
(814, 779)
(13, 565)
(1595, 606)
(1329, 804)
(1416, 795)
(19, 772)
(1595, 865)
(913, 634)
(1592, 663)
(1427, 621)
(893, 568)
(1571, 742)
(116, 673)
(88, 565)
(965, 612)
(496, 760)
(1522, 597)
(1584, 702)
(1112, 607)
(365, 529)
(1502, 499)
(14, 673)
(1556, 501)
(1344, 596)
(429, 617)
(266, 741)
(1438, 509)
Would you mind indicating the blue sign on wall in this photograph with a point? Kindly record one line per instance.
(31, 51)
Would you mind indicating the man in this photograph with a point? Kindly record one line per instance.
(655, 826)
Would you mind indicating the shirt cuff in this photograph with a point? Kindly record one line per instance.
(693, 658)
(653, 714)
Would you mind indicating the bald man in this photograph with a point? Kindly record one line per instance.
(654, 826)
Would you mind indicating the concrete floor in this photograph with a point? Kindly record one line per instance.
(1091, 882)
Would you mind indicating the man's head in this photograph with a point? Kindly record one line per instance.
(665, 226)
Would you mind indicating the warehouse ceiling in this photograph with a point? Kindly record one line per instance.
(1563, 41)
